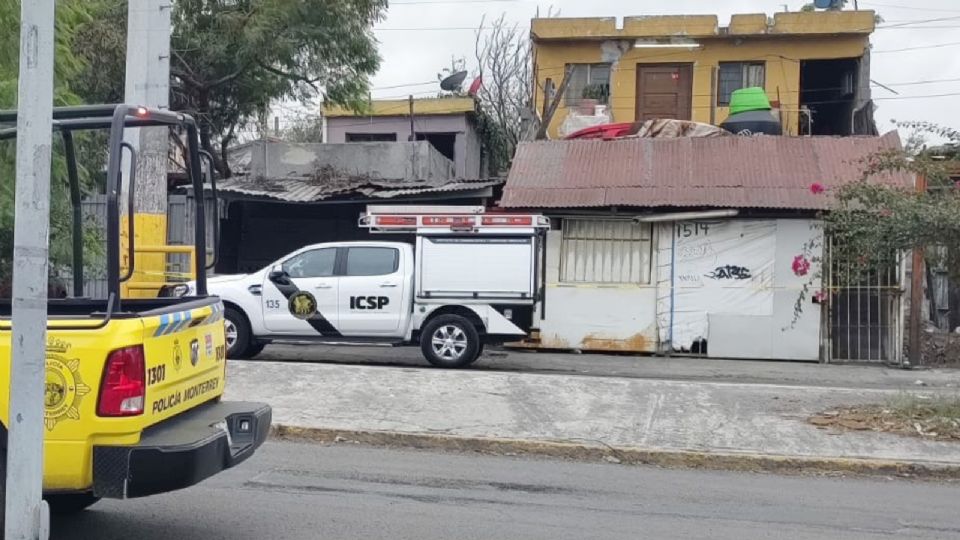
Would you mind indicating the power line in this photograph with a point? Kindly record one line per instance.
(929, 96)
(824, 102)
(435, 29)
(402, 96)
(911, 8)
(819, 90)
(923, 21)
(929, 81)
(905, 24)
(919, 27)
(401, 110)
(404, 85)
(429, 2)
(919, 47)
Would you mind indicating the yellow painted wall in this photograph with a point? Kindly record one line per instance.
(697, 26)
(781, 55)
(401, 107)
(750, 37)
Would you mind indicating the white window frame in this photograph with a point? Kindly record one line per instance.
(605, 251)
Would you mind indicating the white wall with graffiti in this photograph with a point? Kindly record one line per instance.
(722, 288)
(727, 289)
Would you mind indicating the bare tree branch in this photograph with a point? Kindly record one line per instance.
(293, 76)
(504, 60)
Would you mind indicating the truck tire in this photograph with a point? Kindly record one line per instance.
(70, 503)
(253, 349)
(237, 331)
(450, 341)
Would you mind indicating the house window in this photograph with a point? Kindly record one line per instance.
(588, 81)
(737, 75)
(371, 137)
(605, 251)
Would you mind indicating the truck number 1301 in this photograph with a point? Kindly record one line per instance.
(156, 374)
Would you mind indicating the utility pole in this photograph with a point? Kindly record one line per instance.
(413, 129)
(27, 517)
(916, 293)
(148, 84)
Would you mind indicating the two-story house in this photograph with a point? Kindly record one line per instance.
(814, 66)
(700, 243)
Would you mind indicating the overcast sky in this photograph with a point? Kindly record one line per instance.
(412, 53)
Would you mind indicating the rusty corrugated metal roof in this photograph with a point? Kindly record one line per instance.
(741, 172)
(313, 189)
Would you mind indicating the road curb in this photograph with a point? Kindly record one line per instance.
(595, 451)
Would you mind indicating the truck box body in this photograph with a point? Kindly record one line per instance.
(476, 267)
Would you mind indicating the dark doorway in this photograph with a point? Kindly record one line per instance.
(664, 91)
(256, 233)
(445, 143)
(828, 89)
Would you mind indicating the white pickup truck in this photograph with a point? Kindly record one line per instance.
(471, 279)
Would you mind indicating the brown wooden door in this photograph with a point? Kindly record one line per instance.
(664, 91)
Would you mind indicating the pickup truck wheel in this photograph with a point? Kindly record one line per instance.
(237, 331)
(450, 341)
(70, 503)
(252, 350)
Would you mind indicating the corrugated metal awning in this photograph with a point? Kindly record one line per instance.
(739, 172)
(305, 190)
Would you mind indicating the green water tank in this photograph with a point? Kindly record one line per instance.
(749, 99)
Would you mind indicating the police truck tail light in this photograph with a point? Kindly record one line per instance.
(410, 221)
(123, 388)
(448, 221)
(509, 221)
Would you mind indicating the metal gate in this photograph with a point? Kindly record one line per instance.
(181, 227)
(864, 318)
(94, 212)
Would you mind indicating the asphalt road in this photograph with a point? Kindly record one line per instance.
(308, 491)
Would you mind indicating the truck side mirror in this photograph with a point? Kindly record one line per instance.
(277, 274)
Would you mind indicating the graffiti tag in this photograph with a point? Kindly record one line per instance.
(729, 272)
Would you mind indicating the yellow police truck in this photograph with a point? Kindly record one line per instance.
(133, 385)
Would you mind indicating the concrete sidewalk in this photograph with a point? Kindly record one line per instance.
(637, 366)
(754, 421)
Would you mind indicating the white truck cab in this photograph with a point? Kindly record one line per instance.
(470, 279)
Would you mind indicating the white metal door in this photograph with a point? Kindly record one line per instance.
(304, 300)
(371, 292)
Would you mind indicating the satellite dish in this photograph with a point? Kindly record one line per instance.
(826, 4)
(453, 82)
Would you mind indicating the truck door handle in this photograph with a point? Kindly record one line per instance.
(388, 284)
(324, 286)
